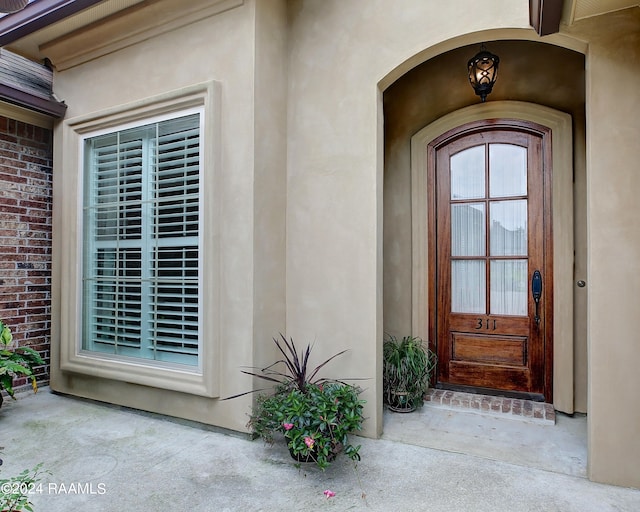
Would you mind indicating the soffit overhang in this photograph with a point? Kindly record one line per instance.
(545, 16)
(576, 10)
(88, 35)
(44, 20)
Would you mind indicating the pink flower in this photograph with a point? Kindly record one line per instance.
(309, 442)
(287, 426)
(329, 494)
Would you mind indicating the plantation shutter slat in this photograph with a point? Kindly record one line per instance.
(142, 204)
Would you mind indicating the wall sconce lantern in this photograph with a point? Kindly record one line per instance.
(483, 71)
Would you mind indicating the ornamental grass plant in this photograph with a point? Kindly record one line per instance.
(407, 366)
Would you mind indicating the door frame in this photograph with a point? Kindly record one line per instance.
(562, 207)
(542, 371)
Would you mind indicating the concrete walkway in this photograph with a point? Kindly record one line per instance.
(104, 458)
(560, 447)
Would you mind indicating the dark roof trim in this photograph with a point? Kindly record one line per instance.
(38, 15)
(544, 16)
(31, 102)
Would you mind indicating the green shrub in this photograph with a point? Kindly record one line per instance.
(15, 362)
(315, 422)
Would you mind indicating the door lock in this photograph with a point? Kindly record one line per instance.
(536, 291)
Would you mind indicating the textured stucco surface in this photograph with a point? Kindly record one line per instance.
(339, 57)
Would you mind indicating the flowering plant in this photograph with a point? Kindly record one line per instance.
(314, 414)
(315, 422)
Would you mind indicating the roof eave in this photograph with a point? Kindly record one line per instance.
(38, 15)
(29, 101)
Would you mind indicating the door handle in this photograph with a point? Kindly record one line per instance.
(536, 291)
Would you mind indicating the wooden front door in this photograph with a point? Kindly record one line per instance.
(492, 258)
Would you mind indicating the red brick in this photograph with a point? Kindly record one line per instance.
(436, 396)
(25, 235)
(8, 138)
(516, 407)
(527, 408)
(10, 163)
(42, 205)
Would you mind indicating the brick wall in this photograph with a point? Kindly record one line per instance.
(25, 236)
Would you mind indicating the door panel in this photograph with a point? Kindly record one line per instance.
(489, 349)
(489, 239)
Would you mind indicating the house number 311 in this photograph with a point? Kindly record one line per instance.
(486, 323)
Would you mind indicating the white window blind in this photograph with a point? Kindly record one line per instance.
(141, 234)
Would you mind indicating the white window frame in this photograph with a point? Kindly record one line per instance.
(198, 380)
(143, 242)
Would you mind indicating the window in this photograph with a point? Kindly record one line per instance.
(141, 262)
(138, 243)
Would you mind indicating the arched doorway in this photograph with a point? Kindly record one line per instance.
(436, 95)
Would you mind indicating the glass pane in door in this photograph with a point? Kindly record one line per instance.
(468, 286)
(508, 227)
(508, 287)
(507, 170)
(467, 174)
(468, 229)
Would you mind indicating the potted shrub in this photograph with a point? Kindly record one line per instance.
(407, 367)
(315, 415)
(15, 362)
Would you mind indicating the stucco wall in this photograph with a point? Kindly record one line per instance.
(341, 56)
(340, 52)
(270, 185)
(613, 185)
(227, 48)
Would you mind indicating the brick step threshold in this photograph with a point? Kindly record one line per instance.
(509, 408)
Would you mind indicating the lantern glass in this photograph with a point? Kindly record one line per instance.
(483, 72)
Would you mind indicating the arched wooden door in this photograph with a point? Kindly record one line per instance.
(490, 238)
